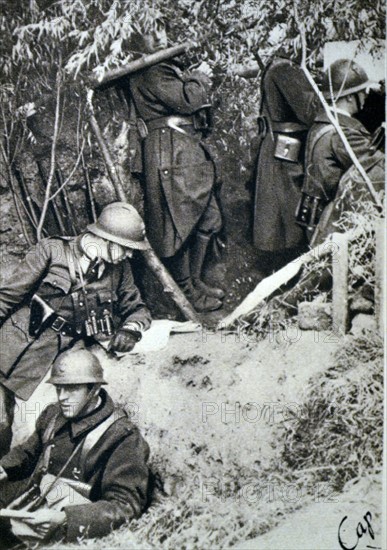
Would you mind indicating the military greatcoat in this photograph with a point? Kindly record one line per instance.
(287, 97)
(114, 467)
(179, 173)
(44, 270)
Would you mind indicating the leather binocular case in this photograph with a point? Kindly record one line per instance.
(287, 148)
(309, 211)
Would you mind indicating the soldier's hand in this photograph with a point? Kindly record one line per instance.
(45, 522)
(124, 340)
(3, 474)
(205, 68)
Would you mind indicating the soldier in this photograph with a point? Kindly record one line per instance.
(288, 107)
(181, 212)
(69, 290)
(85, 464)
(327, 158)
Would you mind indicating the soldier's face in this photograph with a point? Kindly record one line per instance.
(72, 398)
(156, 40)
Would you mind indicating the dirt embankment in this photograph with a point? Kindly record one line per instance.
(213, 408)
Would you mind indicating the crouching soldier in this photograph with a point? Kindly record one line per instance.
(66, 291)
(85, 463)
(345, 86)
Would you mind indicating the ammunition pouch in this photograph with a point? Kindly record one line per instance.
(309, 211)
(287, 147)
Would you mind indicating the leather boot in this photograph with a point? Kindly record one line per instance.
(201, 302)
(197, 255)
(179, 267)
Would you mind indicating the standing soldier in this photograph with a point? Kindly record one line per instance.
(68, 291)
(327, 158)
(181, 211)
(288, 107)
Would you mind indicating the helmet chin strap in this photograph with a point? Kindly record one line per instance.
(90, 397)
(358, 104)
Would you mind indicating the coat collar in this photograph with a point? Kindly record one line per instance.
(344, 120)
(84, 424)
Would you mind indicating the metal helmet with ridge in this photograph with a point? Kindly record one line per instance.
(76, 367)
(120, 223)
(344, 77)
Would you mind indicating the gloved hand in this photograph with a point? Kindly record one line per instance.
(124, 340)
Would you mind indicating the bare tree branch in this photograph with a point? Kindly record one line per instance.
(47, 194)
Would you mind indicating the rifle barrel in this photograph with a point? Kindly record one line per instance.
(139, 64)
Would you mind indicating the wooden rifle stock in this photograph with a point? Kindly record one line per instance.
(139, 64)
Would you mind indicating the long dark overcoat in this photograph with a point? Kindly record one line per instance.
(115, 467)
(179, 174)
(44, 270)
(286, 97)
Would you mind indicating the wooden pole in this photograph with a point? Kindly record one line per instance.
(340, 284)
(150, 257)
(380, 282)
(139, 64)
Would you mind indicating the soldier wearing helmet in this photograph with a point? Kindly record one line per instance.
(345, 86)
(67, 290)
(84, 468)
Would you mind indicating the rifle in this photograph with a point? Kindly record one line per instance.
(33, 210)
(143, 62)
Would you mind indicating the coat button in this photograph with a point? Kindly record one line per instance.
(165, 171)
(163, 131)
(81, 303)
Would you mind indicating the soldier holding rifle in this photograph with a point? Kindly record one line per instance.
(182, 212)
(69, 291)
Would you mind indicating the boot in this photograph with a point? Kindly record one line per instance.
(201, 302)
(198, 253)
(179, 267)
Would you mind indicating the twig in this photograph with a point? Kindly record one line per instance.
(330, 116)
(71, 174)
(53, 160)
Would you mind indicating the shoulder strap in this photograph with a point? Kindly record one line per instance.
(95, 435)
(322, 132)
(44, 458)
(310, 147)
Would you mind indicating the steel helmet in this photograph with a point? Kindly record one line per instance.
(120, 223)
(76, 367)
(345, 77)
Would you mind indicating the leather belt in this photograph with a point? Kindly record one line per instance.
(59, 324)
(287, 127)
(169, 122)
